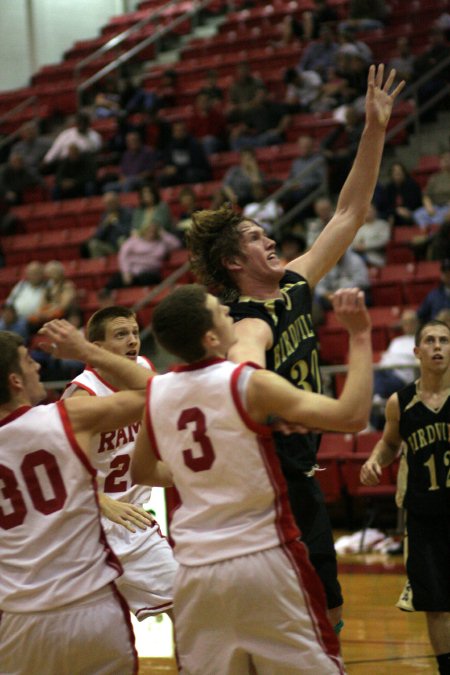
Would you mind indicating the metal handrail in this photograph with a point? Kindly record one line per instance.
(20, 106)
(121, 37)
(151, 39)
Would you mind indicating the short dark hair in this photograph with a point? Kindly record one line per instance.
(153, 189)
(213, 238)
(433, 322)
(96, 326)
(9, 361)
(181, 320)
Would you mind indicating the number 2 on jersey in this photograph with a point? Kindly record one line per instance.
(203, 461)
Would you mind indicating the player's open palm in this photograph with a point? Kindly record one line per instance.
(350, 308)
(380, 99)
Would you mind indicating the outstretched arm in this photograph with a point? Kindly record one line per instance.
(146, 468)
(358, 189)
(64, 341)
(387, 448)
(270, 395)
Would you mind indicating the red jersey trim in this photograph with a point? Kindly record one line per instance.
(198, 365)
(79, 385)
(150, 363)
(260, 429)
(15, 414)
(68, 429)
(101, 379)
(315, 600)
(148, 419)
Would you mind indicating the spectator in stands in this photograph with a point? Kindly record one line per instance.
(168, 89)
(264, 210)
(404, 61)
(184, 160)
(340, 145)
(75, 175)
(211, 88)
(352, 65)
(350, 45)
(32, 147)
(321, 54)
(289, 32)
(264, 123)
(207, 124)
(292, 245)
(372, 238)
(305, 92)
(444, 315)
(27, 295)
(107, 99)
(151, 208)
(436, 196)
(137, 165)
(438, 298)
(187, 205)
(438, 244)
(308, 172)
(243, 92)
(114, 228)
(437, 51)
(141, 257)
(15, 179)
(85, 138)
(59, 297)
(402, 196)
(323, 212)
(400, 352)
(365, 15)
(350, 271)
(312, 19)
(239, 181)
(155, 131)
(9, 320)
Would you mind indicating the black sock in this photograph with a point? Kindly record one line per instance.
(444, 663)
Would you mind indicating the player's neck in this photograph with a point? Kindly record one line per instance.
(260, 290)
(8, 408)
(433, 383)
(111, 380)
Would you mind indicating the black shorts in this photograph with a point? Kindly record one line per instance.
(428, 561)
(311, 515)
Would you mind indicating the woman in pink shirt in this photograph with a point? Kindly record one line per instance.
(141, 256)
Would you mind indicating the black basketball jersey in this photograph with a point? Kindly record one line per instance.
(426, 433)
(293, 356)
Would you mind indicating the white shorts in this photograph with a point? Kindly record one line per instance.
(92, 636)
(254, 610)
(148, 568)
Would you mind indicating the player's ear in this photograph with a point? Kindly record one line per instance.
(15, 381)
(232, 264)
(210, 339)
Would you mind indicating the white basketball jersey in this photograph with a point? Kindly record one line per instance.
(233, 495)
(52, 547)
(111, 450)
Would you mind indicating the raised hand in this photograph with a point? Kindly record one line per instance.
(350, 308)
(379, 98)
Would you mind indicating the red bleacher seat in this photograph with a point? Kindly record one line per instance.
(336, 444)
(416, 290)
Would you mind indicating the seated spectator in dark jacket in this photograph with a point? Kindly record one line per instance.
(15, 179)
(438, 298)
(32, 147)
(211, 88)
(263, 124)
(239, 181)
(365, 15)
(75, 175)
(137, 165)
(437, 51)
(187, 205)
(151, 208)
(320, 55)
(403, 61)
(141, 257)
(402, 196)
(184, 160)
(308, 172)
(114, 228)
(243, 91)
(207, 124)
(340, 146)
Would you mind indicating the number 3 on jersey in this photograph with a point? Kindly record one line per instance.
(193, 459)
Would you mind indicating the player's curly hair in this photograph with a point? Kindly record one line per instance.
(214, 238)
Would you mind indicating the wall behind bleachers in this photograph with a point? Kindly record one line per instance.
(37, 32)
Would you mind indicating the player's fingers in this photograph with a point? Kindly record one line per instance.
(390, 80)
(379, 75)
